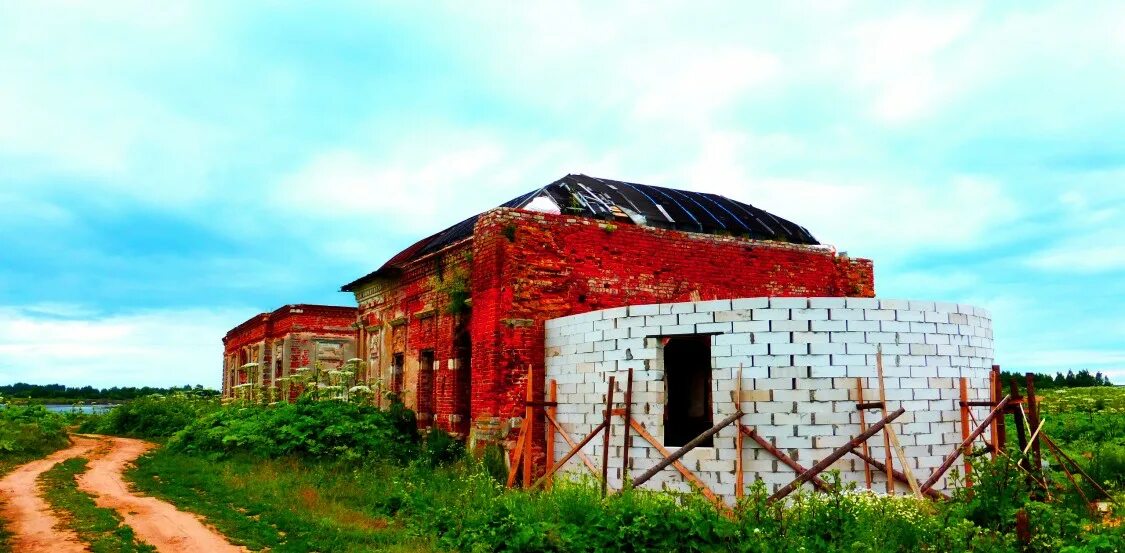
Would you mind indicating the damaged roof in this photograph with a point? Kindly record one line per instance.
(641, 204)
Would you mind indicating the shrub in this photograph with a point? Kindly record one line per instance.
(30, 430)
(440, 448)
(307, 428)
(151, 417)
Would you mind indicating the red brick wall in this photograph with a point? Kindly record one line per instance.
(530, 267)
(411, 299)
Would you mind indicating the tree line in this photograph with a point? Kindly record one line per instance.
(60, 392)
(1080, 379)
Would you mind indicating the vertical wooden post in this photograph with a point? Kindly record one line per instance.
(965, 429)
(886, 436)
(738, 478)
(862, 429)
(1001, 421)
(549, 429)
(605, 441)
(626, 441)
(1033, 419)
(1017, 415)
(528, 421)
(994, 430)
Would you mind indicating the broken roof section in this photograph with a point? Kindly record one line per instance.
(640, 204)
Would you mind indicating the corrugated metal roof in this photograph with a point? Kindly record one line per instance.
(642, 204)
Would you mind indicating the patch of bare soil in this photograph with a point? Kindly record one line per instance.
(28, 516)
(153, 521)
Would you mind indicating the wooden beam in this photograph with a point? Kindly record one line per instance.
(889, 462)
(826, 462)
(605, 438)
(566, 437)
(626, 439)
(862, 428)
(788, 461)
(529, 422)
(739, 482)
(952, 457)
(898, 475)
(549, 429)
(687, 474)
(573, 451)
(964, 385)
(913, 482)
(676, 455)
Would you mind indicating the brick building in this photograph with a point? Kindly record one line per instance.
(454, 321)
(290, 337)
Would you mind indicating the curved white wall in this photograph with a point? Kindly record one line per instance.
(800, 358)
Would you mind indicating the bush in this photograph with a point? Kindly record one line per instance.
(307, 428)
(440, 448)
(30, 430)
(151, 417)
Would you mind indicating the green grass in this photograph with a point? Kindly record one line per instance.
(102, 528)
(281, 505)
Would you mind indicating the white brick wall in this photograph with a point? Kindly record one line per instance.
(799, 357)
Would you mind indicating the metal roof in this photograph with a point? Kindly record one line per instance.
(643, 204)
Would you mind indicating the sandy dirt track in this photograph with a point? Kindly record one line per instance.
(154, 521)
(27, 515)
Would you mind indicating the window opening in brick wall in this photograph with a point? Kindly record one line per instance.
(426, 382)
(396, 373)
(687, 379)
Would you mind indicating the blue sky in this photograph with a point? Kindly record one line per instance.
(167, 171)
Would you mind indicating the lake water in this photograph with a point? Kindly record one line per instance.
(65, 408)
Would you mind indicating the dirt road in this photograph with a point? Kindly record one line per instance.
(28, 516)
(155, 522)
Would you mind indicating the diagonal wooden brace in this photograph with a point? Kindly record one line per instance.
(952, 457)
(687, 474)
(676, 455)
(566, 436)
(573, 451)
(781, 456)
(935, 494)
(823, 464)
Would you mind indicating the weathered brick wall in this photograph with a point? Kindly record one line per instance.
(799, 358)
(529, 267)
(408, 312)
(263, 336)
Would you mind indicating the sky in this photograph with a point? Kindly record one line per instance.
(168, 170)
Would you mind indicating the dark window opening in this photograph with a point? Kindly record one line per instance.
(426, 382)
(396, 373)
(687, 379)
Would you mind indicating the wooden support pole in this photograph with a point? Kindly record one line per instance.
(739, 482)
(817, 481)
(823, 464)
(605, 439)
(687, 474)
(952, 457)
(1000, 442)
(965, 430)
(676, 455)
(549, 429)
(626, 440)
(1051, 444)
(1021, 424)
(512, 470)
(886, 437)
(1070, 476)
(574, 450)
(566, 437)
(910, 480)
(529, 422)
(862, 428)
(898, 475)
(1033, 420)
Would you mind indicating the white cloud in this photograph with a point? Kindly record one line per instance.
(69, 345)
(1081, 257)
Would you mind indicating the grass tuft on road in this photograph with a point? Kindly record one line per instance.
(102, 528)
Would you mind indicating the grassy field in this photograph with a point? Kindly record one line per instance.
(331, 476)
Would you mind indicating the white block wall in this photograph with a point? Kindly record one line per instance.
(800, 357)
